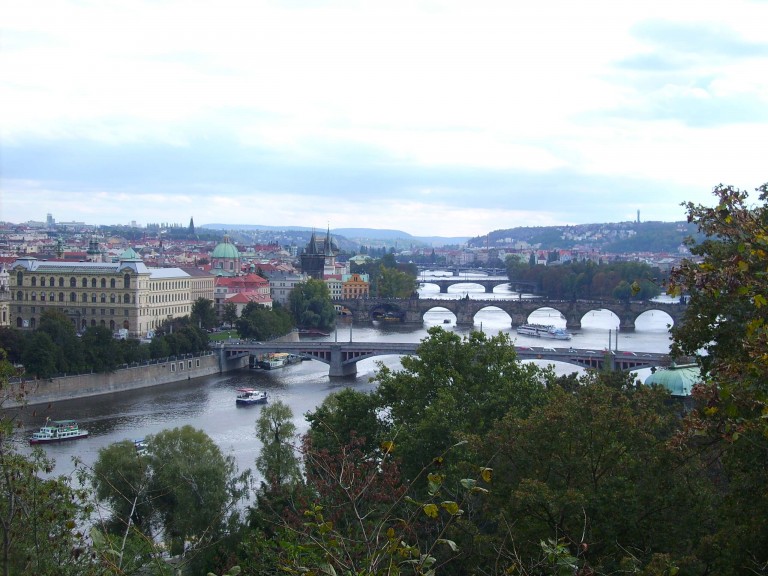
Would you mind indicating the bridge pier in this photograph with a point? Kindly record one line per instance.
(572, 321)
(337, 367)
(627, 323)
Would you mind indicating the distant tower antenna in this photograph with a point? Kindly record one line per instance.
(638, 216)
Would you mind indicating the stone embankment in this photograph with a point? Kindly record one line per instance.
(44, 391)
(129, 378)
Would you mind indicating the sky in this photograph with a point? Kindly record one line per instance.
(447, 118)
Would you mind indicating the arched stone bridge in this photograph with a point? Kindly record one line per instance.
(412, 310)
(488, 283)
(342, 357)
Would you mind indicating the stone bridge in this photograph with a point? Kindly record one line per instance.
(488, 283)
(342, 357)
(412, 310)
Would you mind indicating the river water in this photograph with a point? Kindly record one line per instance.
(209, 403)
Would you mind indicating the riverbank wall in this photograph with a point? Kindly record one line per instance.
(134, 377)
(45, 391)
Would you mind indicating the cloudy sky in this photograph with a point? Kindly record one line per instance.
(435, 117)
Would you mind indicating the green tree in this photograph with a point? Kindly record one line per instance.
(39, 355)
(40, 517)
(102, 353)
(595, 468)
(229, 315)
(454, 385)
(726, 326)
(263, 323)
(392, 283)
(277, 461)
(69, 353)
(203, 315)
(311, 306)
(345, 416)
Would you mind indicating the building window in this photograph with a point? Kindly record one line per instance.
(93, 297)
(84, 283)
(103, 297)
(103, 312)
(19, 278)
(85, 297)
(127, 299)
(173, 367)
(112, 298)
(127, 281)
(52, 297)
(104, 283)
(61, 296)
(34, 280)
(72, 297)
(73, 282)
(111, 311)
(42, 281)
(93, 282)
(112, 283)
(42, 296)
(19, 296)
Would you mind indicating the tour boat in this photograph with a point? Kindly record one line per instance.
(543, 331)
(57, 431)
(248, 396)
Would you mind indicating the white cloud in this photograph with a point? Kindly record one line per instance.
(521, 96)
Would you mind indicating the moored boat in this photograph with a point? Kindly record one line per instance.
(273, 361)
(543, 331)
(247, 396)
(58, 431)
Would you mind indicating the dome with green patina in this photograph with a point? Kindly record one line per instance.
(679, 380)
(225, 250)
(130, 254)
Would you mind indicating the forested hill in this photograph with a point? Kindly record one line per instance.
(615, 237)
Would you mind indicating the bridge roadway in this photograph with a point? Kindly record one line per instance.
(489, 283)
(342, 357)
(412, 310)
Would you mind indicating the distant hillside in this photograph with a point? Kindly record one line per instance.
(621, 237)
(360, 236)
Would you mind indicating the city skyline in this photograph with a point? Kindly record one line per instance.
(427, 117)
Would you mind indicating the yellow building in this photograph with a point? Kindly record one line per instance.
(354, 286)
(120, 295)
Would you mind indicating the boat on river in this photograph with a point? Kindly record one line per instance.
(543, 331)
(273, 361)
(58, 431)
(248, 396)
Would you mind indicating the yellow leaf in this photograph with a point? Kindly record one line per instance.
(430, 510)
(450, 507)
(388, 446)
(486, 474)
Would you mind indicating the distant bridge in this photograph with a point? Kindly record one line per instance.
(342, 357)
(489, 283)
(412, 310)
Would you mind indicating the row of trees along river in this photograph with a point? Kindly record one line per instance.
(458, 460)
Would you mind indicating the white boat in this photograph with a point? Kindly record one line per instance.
(246, 396)
(58, 431)
(543, 331)
(141, 446)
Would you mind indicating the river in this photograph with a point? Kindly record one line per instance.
(208, 403)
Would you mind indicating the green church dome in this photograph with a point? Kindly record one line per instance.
(225, 250)
(677, 379)
(130, 254)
